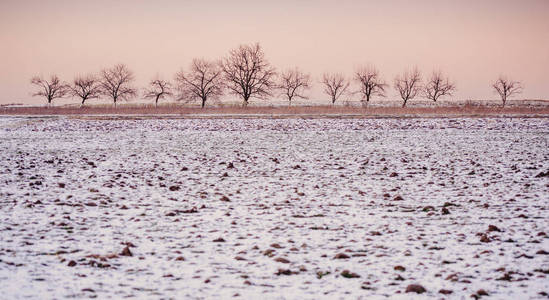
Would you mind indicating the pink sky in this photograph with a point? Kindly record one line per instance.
(472, 41)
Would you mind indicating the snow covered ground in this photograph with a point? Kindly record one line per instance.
(297, 209)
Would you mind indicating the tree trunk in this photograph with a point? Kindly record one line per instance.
(203, 102)
(404, 103)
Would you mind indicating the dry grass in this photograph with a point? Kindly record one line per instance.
(281, 111)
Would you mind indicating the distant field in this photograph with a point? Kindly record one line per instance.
(540, 108)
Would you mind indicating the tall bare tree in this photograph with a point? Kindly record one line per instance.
(248, 73)
(335, 85)
(438, 86)
(203, 81)
(86, 87)
(51, 89)
(158, 89)
(408, 85)
(116, 83)
(506, 88)
(293, 84)
(370, 83)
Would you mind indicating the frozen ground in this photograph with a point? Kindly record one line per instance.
(274, 208)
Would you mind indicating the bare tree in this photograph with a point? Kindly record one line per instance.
(158, 89)
(506, 88)
(52, 89)
(202, 82)
(335, 85)
(247, 73)
(370, 83)
(293, 84)
(438, 86)
(116, 83)
(86, 87)
(408, 85)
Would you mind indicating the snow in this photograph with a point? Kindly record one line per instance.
(303, 190)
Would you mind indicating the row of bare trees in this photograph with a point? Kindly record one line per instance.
(246, 72)
(114, 83)
(408, 85)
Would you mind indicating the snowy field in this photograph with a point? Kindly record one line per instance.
(273, 209)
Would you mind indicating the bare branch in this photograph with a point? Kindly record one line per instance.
(335, 85)
(293, 84)
(370, 83)
(247, 73)
(86, 87)
(116, 83)
(158, 89)
(202, 82)
(408, 85)
(438, 86)
(507, 88)
(50, 89)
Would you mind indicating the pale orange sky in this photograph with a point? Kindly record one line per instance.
(472, 41)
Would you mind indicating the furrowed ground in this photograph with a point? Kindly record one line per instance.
(293, 208)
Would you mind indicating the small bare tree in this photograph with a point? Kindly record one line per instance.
(438, 86)
(335, 85)
(158, 89)
(506, 88)
(370, 83)
(202, 82)
(247, 73)
(86, 87)
(408, 85)
(293, 84)
(51, 89)
(116, 83)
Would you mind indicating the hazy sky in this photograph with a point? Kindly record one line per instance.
(472, 41)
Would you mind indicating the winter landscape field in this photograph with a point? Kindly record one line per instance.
(274, 208)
